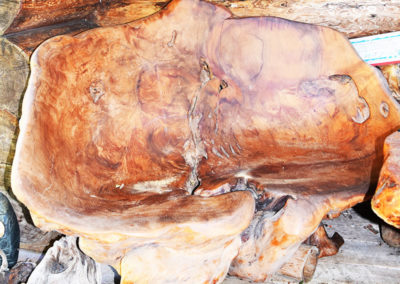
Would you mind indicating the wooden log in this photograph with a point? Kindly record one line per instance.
(79, 18)
(65, 263)
(365, 17)
(18, 15)
(28, 40)
(302, 265)
(121, 12)
(4, 272)
(121, 125)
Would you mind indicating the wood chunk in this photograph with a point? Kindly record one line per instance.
(392, 75)
(302, 265)
(114, 13)
(29, 39)
(121, 125)
(354, 20)
(386, 201)
(21, 272)
(64, 263)
(21, 15)
(327, 245)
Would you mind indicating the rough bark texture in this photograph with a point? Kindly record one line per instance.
(19, 15)
(121, 125)
(65, 263)
(354, 19)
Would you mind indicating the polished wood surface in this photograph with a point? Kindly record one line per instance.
(172, 129)
(386, 201)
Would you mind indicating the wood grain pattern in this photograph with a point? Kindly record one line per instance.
(386, 201)
(65, 263)
(363, 18)
(8, 11)
(33, 14)
(14, 71)
(166, 133)
(366, 17)
(28, 23)
(29, 39)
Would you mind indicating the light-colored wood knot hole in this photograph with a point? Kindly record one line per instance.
(363, 112)
(205, 72)
(96, 90)
(171, 43)
(384, 109)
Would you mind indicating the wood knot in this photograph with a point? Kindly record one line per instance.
(96, 90)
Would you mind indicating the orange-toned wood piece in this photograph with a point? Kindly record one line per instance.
(156, 141)
(392, 75)
(327, 245)
(386, 201)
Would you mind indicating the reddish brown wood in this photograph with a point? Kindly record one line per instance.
(28, 40)
(327, 245)
(122, 125)
(21, 15)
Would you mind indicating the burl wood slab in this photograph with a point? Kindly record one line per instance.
(187, 144)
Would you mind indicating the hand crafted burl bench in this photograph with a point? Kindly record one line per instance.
(189, 144)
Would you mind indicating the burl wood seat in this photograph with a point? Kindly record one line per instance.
(155, 141)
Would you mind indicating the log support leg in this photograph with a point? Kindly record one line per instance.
(327, 245)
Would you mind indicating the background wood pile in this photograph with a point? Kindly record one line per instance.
(24, 24)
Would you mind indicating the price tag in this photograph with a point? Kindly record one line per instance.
(380, 49)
